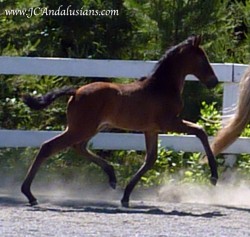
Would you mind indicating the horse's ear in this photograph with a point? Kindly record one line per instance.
(195, 40)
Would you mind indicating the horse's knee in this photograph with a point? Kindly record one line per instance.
(45, 150)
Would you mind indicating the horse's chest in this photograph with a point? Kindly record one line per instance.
(170, 105)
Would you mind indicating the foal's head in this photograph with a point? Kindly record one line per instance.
(196, 61)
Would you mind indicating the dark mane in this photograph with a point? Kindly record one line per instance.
(169, 53)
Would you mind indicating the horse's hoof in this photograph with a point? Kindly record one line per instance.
(125, 204)
(34, 203)
(213, 180)
(113, 185)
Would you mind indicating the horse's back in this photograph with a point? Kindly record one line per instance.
(129, 106)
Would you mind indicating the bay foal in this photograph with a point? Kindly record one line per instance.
(150, 105)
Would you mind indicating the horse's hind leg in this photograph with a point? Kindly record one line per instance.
(48, 148)
(108, 169)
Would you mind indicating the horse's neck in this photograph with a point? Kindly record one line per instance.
(169, 76)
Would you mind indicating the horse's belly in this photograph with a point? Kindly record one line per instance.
(149, 115)
(133, 122)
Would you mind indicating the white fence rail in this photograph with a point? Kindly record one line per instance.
(229, 74)
(117, 141)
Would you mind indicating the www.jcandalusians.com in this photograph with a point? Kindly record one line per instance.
(60, 11)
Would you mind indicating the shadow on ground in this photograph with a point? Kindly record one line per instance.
(115, 208)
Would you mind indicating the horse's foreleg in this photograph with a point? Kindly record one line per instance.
(182, 126)
(150, 158)
(108, 169)
(47, 149)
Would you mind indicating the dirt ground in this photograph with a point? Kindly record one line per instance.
(172, 210)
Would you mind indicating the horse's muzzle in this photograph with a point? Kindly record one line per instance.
(212, 82)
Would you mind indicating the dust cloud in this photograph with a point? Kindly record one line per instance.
(231, 190)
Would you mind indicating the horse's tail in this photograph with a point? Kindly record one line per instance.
(43, 101)
(227, 135)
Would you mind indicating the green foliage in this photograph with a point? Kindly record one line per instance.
(14, 163)
(138, 32)
(210, 118)
(243, 164)
(15, 114)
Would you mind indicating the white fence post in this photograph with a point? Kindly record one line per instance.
(230, 97)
